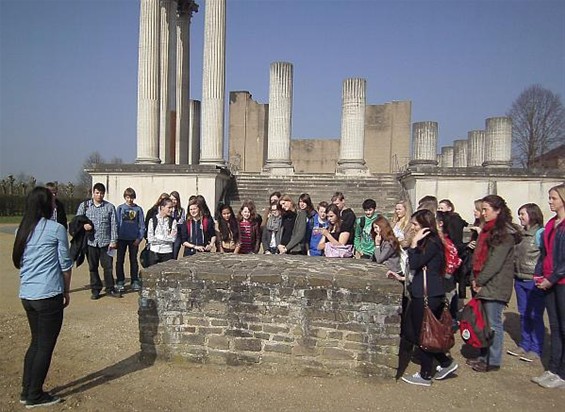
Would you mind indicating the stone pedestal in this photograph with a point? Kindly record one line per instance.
(460, 153)
(475, 148)
(280, 119)
(148, 83)
(351, 160)
(498, 142)
(446, 156)
(213, 83)
(424, 141)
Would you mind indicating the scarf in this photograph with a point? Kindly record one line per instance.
(481, 252)
(274, 223)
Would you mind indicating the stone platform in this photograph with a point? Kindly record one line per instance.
(330, 316)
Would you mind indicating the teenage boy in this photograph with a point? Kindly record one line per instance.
(364, 243)
(102, 238)
(131, 228)
(320, 223)
(347, 215)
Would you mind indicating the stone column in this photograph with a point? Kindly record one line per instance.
(475, 148)
(280, 119)
(460, 153)
(148, 83)
(167, 48)
(185, 10)
(446, 156)
(498, 142)
(351, 159)
(194, 133)
(424, 141)
(213, 83)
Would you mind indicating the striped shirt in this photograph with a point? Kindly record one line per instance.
(245, 237)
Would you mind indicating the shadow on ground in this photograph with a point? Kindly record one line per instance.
(124, 367)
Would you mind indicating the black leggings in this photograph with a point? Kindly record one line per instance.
(436, 304)
(45, 317)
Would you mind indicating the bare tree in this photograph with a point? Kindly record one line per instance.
(84, 180)
(538, 124)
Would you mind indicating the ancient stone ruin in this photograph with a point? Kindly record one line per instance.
(329, 316)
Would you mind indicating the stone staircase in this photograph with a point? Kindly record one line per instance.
(383, 188)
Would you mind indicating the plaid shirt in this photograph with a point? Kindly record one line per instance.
(105, 223)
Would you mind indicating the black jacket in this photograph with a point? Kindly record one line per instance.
(79, 242)
(433, 259)
(61, 215)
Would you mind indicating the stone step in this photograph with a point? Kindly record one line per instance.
(383, 188)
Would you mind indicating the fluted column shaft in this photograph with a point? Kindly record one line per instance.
(168, 12)
(424, 140)
(182, 89)
(446, 156)
(498, 142)
(148, 83)
(475, 148)
(280, 115)
(460, 153)
(352, 142)
(213, 83)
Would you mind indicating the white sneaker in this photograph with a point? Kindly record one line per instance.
(416, 379)
(553, 382)
(543, 377)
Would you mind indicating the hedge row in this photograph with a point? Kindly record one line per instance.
(14, 205)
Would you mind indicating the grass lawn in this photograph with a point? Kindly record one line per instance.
(10, 219)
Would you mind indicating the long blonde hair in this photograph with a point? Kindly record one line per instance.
(404, 222)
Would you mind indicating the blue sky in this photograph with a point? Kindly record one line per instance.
(68, 68)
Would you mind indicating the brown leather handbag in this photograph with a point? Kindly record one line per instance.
(436, 334)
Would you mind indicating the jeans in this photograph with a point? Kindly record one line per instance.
(99, 255)
(493, 309)
(555, 304)
(133, 265)
(531, 305)
(45, 318)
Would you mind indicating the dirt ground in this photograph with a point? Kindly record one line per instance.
(95, 368)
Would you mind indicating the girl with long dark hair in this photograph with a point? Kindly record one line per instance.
(179, 214)
(493, 274)
(227, 234)
(41, 253)
(249, 228)
(426, 258)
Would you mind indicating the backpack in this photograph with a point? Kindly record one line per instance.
(474, 326)
(452, 259)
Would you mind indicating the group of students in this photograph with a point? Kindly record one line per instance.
(425, 244)
(501, 256)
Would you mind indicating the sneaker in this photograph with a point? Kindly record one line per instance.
(114, 294)
(518, 351)
(120, 287)
(136, 285)
(44, 400)
(553, 382)
(416, 379)
(95, 296)
(23, 399)
(543, 377)
(443, 373)
(530, 357)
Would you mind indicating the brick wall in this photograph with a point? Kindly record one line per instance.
(336, 316)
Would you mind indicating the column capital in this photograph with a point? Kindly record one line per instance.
(187, 8)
